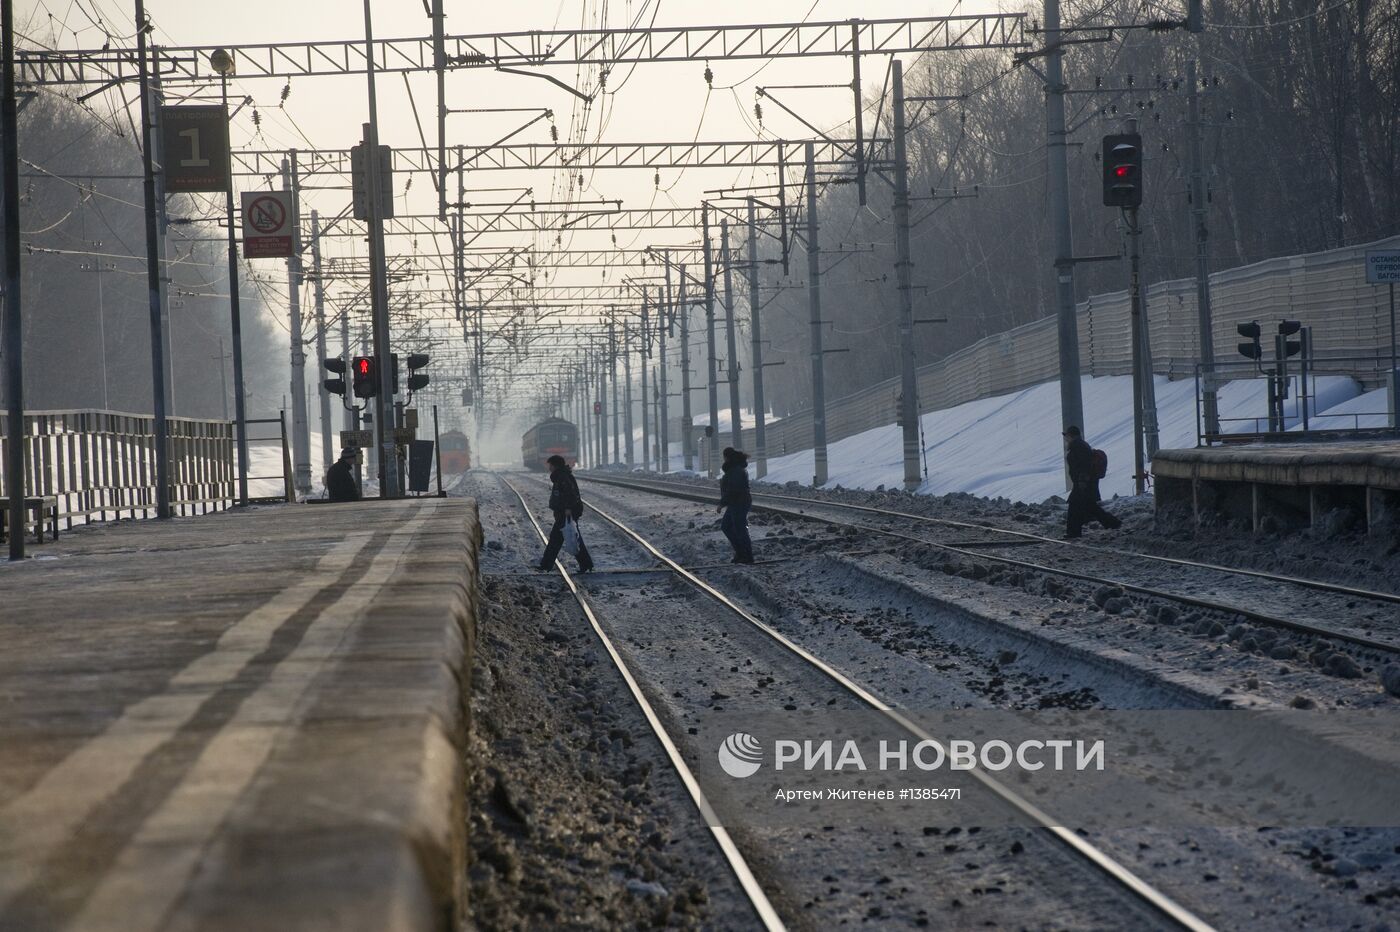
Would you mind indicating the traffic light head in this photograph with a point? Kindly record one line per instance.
(337, 365)
(1289, 327)
(1122, 170)
(416, 381)
(365, 375)
(1252, 349)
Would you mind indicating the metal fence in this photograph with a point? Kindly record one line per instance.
(1285, 405)
(100, 465)
(1324, 290)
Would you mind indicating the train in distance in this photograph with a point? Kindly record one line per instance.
(456, 453)
(548, 437)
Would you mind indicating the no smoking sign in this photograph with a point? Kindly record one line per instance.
(267, 224)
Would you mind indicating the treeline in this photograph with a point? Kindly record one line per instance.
(1301, 106)
(87, 332)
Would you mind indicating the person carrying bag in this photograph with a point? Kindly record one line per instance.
(567, 505)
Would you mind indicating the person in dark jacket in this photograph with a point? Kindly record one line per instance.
(1084, 504)
(735, 501)
(340, 478)
(566, 502)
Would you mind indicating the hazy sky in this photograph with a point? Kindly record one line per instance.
(654, 103)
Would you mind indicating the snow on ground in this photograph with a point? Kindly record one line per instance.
(746, 419)
(1009, 445)
(1370, 409)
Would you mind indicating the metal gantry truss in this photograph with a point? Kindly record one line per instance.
(604, 47)
(752, 153)
(539, 51)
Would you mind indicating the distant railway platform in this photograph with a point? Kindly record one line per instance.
(245, 720)
(1284, 485)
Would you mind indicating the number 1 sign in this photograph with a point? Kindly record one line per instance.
(194, 148)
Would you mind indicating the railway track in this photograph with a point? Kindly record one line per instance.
(977, 550)
(763, 909)
(1112, 870)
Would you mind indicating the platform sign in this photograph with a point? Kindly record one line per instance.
(194, 148)
(267, 224)
(362, 439)
(1382, 266)
(403, 436)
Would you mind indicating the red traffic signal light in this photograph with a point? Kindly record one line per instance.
(597, 407)
(1122, 170)
(366, 376)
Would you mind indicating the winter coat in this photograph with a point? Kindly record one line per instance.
(734, 484)
(563, 494)
(1079, 457)
(340, 482)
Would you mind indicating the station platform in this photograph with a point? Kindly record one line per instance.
(247, 720)
(1284, 485)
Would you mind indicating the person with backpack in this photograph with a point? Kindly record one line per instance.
(1086, 467)
(735, 501)
(567, 504)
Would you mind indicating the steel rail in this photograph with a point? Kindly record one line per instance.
(733, 857)
(1302, 627)
(1303, 581)
(1119, 873)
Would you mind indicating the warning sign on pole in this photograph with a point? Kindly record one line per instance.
(267, 224)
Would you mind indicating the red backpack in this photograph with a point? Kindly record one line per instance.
(1098, 462)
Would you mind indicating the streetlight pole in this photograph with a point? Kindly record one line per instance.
(379, 286)
(14, 333)
(223, 63)
(736, 425)
(1057, 167)
(908, 376)
(712, 377)
(760, 440)
(160, 431)
(814, 303)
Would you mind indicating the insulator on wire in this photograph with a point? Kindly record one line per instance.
(709, 76)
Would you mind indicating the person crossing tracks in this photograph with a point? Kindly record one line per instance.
(567, 505)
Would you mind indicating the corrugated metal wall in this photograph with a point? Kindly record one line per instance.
(1325, 290)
